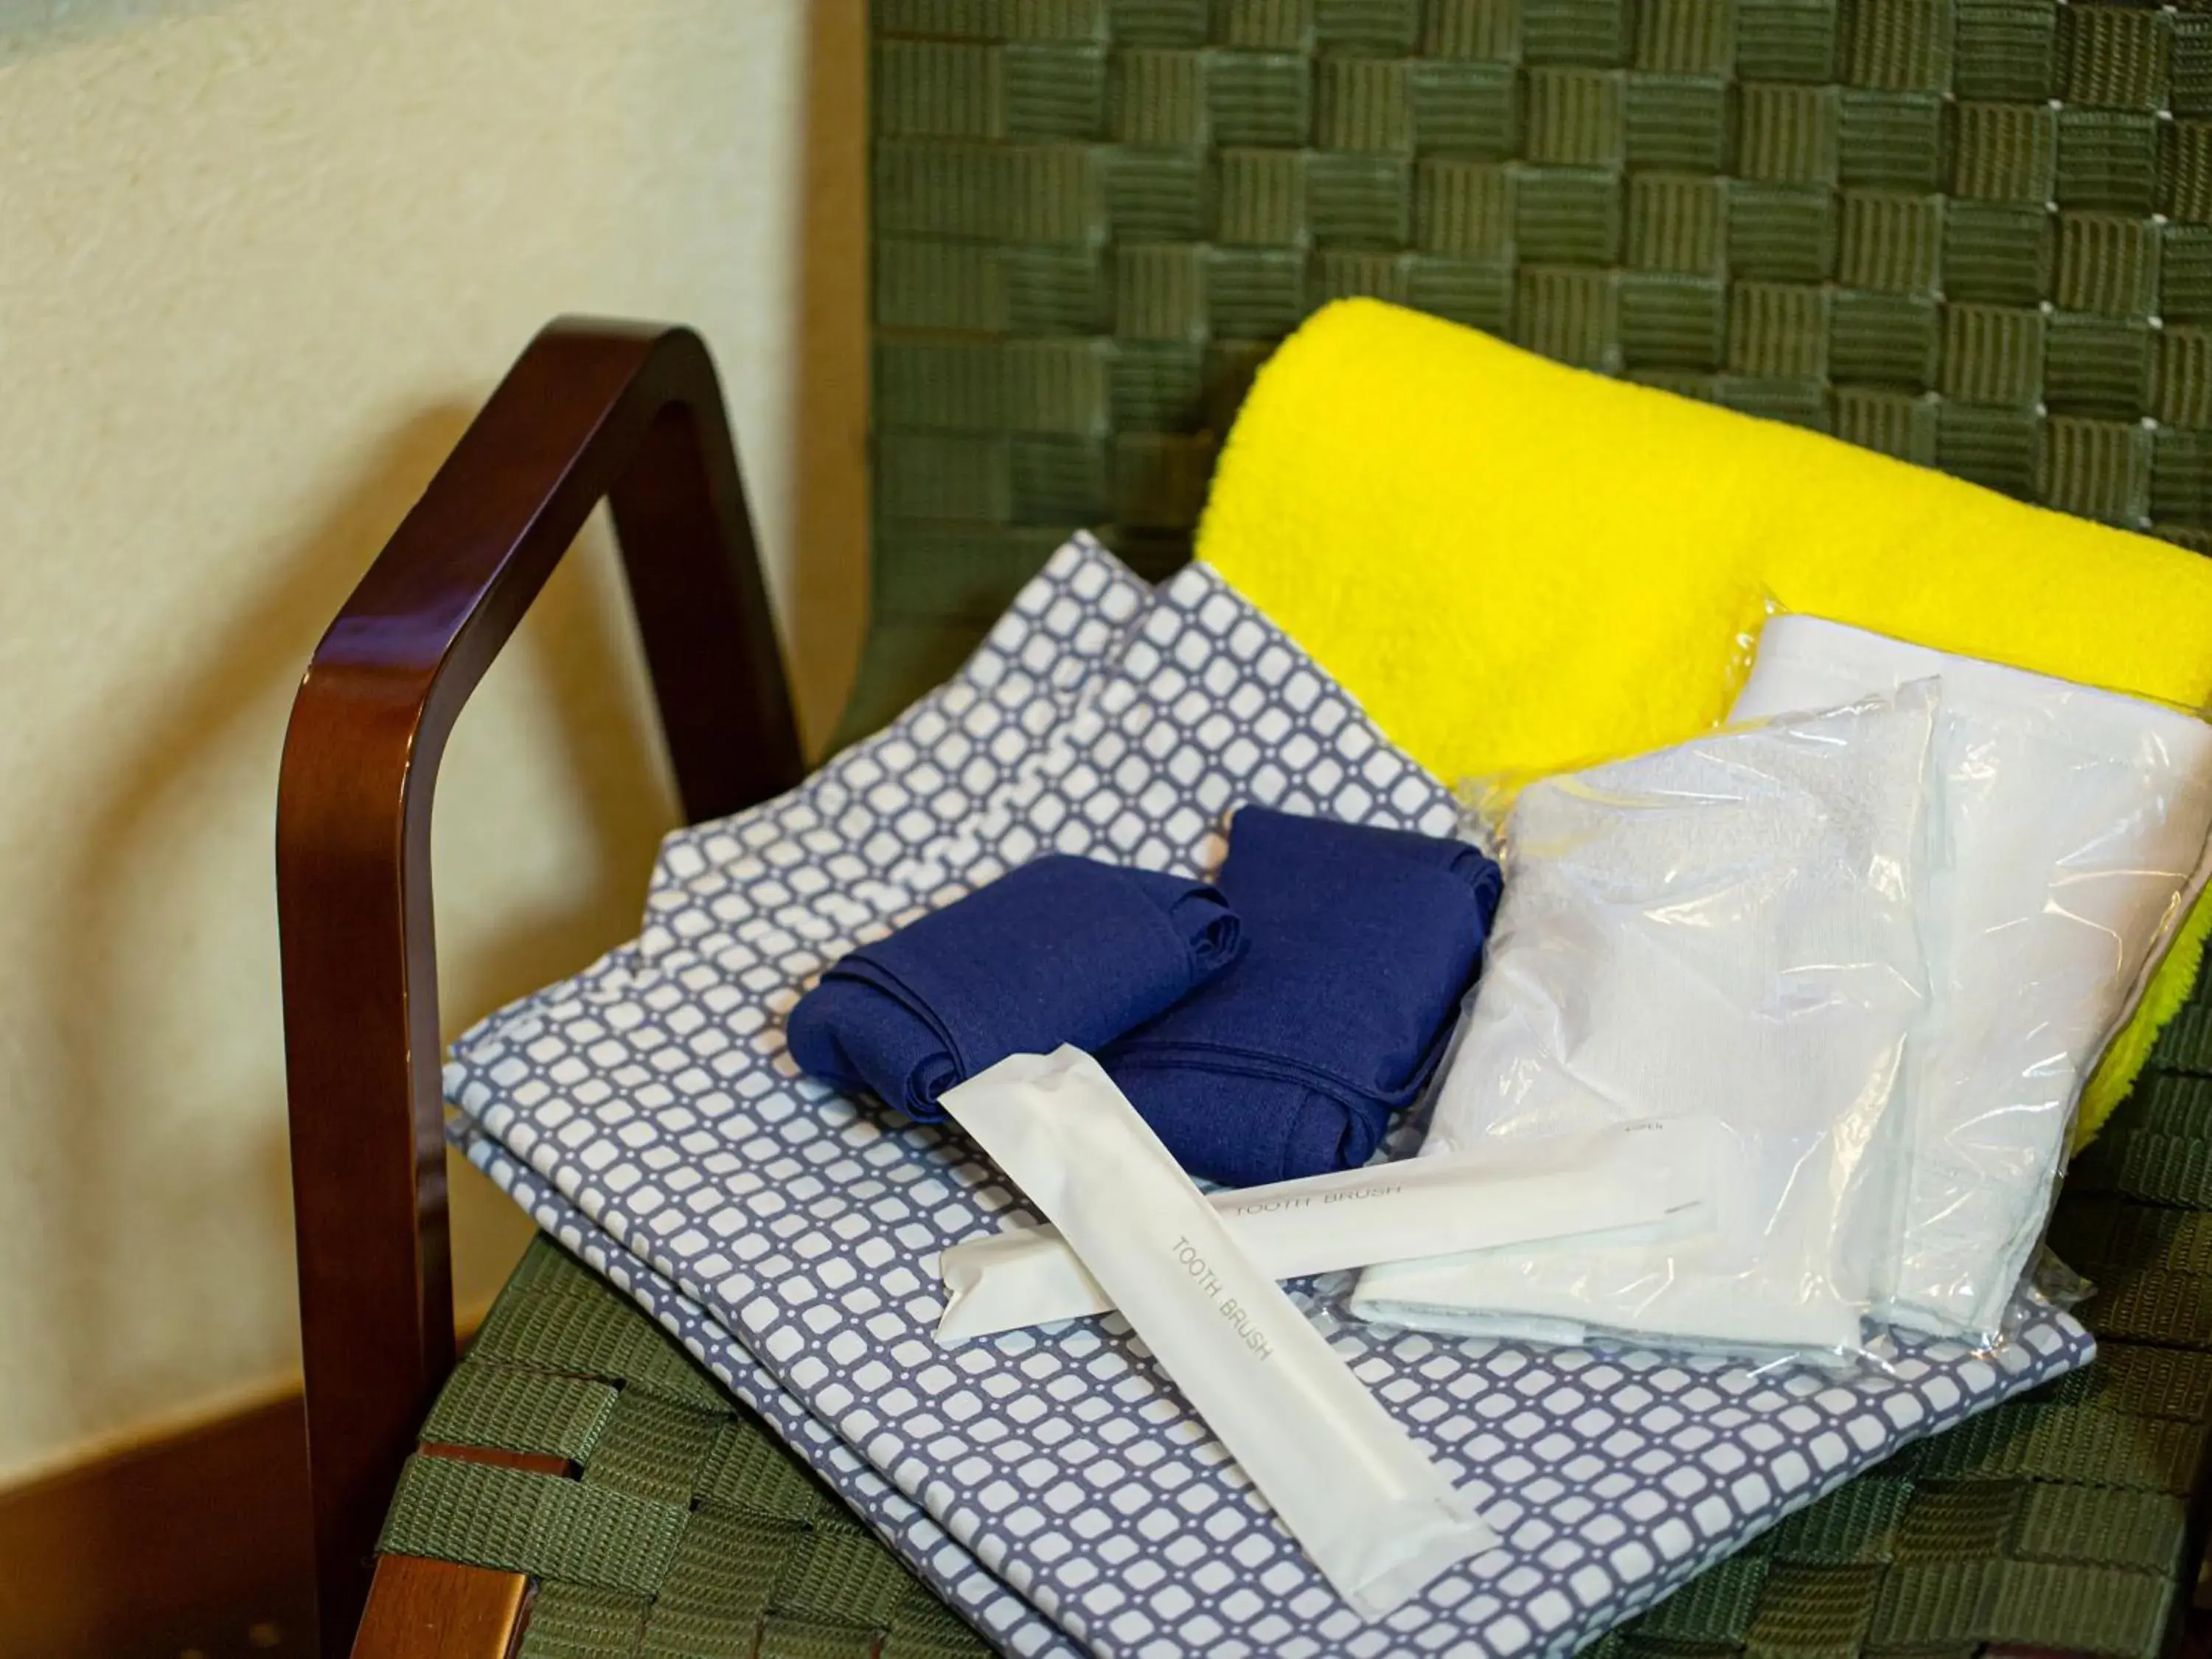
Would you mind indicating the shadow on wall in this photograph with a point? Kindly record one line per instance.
(29, 26)
(198, 778)
(119, 850)
(588, 686)
(828, 593)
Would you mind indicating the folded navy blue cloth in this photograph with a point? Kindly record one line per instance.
(1359, 944)
(1061, 950)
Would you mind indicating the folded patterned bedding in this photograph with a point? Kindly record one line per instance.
(1054, 1485)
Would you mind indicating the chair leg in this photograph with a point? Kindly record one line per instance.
(420, 1608)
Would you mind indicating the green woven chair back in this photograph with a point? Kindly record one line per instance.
(1976, 233)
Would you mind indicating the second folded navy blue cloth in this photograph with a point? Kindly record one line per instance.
(1061, 950)
(1360, 943)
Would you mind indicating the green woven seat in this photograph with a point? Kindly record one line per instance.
(1975, 233)
(685, 1530)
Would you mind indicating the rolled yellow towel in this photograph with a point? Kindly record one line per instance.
(1520, 568)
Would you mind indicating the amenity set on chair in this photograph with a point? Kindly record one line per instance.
(1630, 1014)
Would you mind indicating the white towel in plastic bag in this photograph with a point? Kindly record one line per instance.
(1726, 927)
(2071, 825)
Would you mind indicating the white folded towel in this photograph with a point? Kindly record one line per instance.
(1726, 928)
(2071, 825)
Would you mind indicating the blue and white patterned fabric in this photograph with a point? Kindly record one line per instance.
(983, 1598)
(1053, 1484)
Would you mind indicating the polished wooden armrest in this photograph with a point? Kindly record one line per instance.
(591, 410)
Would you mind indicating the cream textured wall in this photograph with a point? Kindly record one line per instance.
(258, 260)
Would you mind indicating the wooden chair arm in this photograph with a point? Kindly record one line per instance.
(591, 410)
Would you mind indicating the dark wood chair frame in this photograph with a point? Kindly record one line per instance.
(592, 410)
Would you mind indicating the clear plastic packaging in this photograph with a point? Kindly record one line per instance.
(2065, 849)
(1640, 1177)
(1378, 1518)
(1727, 928)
